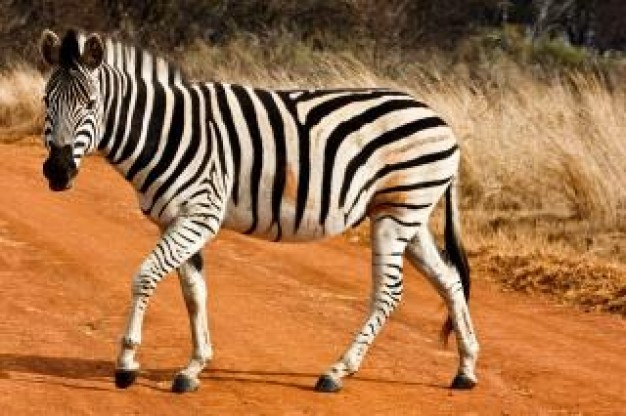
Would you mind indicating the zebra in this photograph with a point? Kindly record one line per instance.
(281, 165)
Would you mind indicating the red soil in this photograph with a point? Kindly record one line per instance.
(279, 314)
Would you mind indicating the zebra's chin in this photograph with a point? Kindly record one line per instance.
(60, 186)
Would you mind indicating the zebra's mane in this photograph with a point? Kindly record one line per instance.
(127, 58)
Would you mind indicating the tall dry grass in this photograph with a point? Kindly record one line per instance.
(21, 111)
(557, 148)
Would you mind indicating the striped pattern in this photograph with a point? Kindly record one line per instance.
(301, 164)
(284, 165)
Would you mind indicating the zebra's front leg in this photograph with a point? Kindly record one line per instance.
(182, 238)
(194, 291)
(389, 240)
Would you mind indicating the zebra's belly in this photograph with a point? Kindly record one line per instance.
(239, 218)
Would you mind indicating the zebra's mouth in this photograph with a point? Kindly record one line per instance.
(59, 179)
(60, 186)
(59, 168)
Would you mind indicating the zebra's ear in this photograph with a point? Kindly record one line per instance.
(93, 53)
(49, 46)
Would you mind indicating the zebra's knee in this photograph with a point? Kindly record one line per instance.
(448, 283)
(454, 287)
(143, 284)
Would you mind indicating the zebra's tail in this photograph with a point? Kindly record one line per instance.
(454, 249)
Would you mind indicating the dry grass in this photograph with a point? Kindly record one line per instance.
(554, 148)
(21, 89)
(532, 265)
(543, 171)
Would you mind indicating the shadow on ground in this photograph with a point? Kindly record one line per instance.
(75, 369)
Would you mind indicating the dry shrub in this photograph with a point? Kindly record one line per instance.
(21, 112)
(579, 281)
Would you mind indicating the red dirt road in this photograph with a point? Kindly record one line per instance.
(280, 313)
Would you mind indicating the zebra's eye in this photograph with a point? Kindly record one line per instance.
(91, 104)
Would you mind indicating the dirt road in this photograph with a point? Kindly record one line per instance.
(279, 315)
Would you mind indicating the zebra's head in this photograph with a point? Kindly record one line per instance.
(73, 105)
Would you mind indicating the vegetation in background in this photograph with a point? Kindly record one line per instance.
(21, 89)
(401, 26)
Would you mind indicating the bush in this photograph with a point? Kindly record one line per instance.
(558, 54)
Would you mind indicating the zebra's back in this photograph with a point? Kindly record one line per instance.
(311, 163)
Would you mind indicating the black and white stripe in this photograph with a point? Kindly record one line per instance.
(284, 165)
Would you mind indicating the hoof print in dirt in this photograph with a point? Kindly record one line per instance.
(327, 384)
(124, 378)
(184, 384)
(462, 382)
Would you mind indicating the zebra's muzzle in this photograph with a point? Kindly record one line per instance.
(59, 168)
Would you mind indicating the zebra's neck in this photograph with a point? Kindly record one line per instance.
(138, 99)
(132, 80)
(158, 131)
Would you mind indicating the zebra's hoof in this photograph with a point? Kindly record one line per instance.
(462, 382)
(124, 378)
(184, 384)
(327, 384)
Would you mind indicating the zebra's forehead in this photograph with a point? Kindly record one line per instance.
(72, 82)
(70, 73)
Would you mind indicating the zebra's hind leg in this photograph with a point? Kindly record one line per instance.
(389, 239)
(424, 255)
(194, 292)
